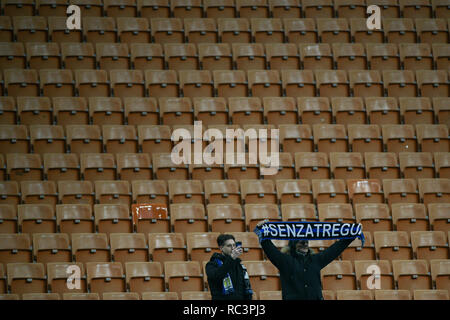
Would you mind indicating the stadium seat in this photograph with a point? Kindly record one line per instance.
(399, 138)
(416, 165)
(76, 192)
(160, 296)
(28, 28)
(195, 83)
(442, 164)
(392, 245)
(154, 9)
(400, 191)
(264, 83)
(433, 83)
(74, 218)
(183, 276)
(439, 273)
(21, 82)
(211, 111)
(59, 272)
(141, 111)
(143, 277)
(349, 56)
(217, 9)
(282, 56)
(253, 9)
(13, 8)
(416, 56)
(409, 217)
(316, 56)
(80, 296)
(329, 191)
(383, 110)
(263, 276)
(120, 139)
(189, 191)
(330, 138)
(23, 167)
(166, 30)
(348, 110)
(416, 110)
(298, 83)
(57, 83)
(188, 217)
(382, 165)
(120, 8)
(26, 278)
(434, 190)
(373, 216)
(333, 30)
(222, 192)
(364, 274)
(338, 275)
(167, 247)
(244, 111)
(416, 9)
(347, 165)
(165, 169)
(398, 30)
(98, 166)
(112, 56)
(438, 217)
(134, 166)
(366, 83)
(8, 111)
(155, 139)
(267, 30)
(200, 30)
(14, 138)
(39, 192)
(90, 8)
(258, 191)
(429, 245)
(232, 83)
(127, 83)
(332, 83)
(36, 218)
(255, 213)
(129, 247)
(43, 55)
(99, 29)
(433, 138)
(90, 247)
(360, 33)
(181, 56)
(215, 56)
(92, 83)
(105, 277)
(84, 139)
(354, 295)
(400, 83)
(318, 9)
(150, 191)
(8, 217)
(47, 138)
(312, 165)
(296, 138)
(7, 32)
(392, 295)
(249, 56)
(78, 56)
(225, 218)
(440, 55)
(133, 30)
(112, 192)
(336, 212)
(300, 30)
(175, 111)
(147, 56)
(112, 218)
(294, 191)
(51, 247)
(233, 30)
(411, 274)
(350, 9)
(365, 191)
(431, 295)
(15, 248)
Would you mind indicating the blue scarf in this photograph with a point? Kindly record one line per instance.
(227, 284)
(309, 231)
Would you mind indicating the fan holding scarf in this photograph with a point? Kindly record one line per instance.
(299, 267)
(227, 277)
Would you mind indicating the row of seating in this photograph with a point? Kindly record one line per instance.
(224, 30)
(179, 276)
(223, 56)
(203, 83)
(263, 295)
(242, 111)
(198, 246)
(192, 217)
(230, 8)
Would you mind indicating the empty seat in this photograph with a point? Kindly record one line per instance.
(349, 56)
(434, 190)
(7, 32)
(433, 83)
(383, 110)
(440, 55)
(15, 248)
(34, 110)
(246, 110)
(22, 167)
(165, 169)
(190, 191)
(92, 83)
(300, 30)
(74, 218)
(15, 8)
(258, 191)
(145, 191)
(211, 110)
(188, 217)
(383, 56)
(105, 277)
(51, 247)
(98, 166)
(167, 30)
(90, 8)
(294, 191)
(431, 295)
(76, 192)
(298, 83)
(160, 296)
(47, 139)
(366, 83)
(348, 110)
(78, 55)
(196, 83)
(347, 165)
(282, 56)
(147, 56)
(8, 217)
(333, 30)
(43, 55)
(410, 217)
(222, 191)
(21, 82)
(267, 30)
(336, 212)
(255, 213)
(318, 9)
(120, 8)
(162, 83)
(175, 111)
(26, 278)
(103, 110)
(57, 27)
(8, 111)
(80, 296)
(120, 139)
(154, 8)
(399, 138)
(412, 274)
(127, 83)
(155, 139)
(134, 166)
(201, 245)
(416, 8)
(249, 56)
(296, 138)
(112, 218)
(316, 56)
(14, 139)
(329, 191)
(364, 274)
(433, 138)
(111, 56)
(230, 83)
(167, 247)
(263, 276)
(100, 29)
(416, 56)
(57, 83)
(399, 83)
(416, 110)
(392, 245)
(400, 191)
(439, 273)
(392, 295)
(30, 28)
(338, 275)
(354, 295)
(112, 192)
(84, 139)
(442, 164)
(330, 138)
(265, 83)
(144, 277)
(314, 110)
(200, 30)
(416, 165)
(429, 245)
(141, 111)
(312, 165)
(39, 192)
(382, 165)
(129, 247)
(188, 9)
(219, 9)
(360, 33)
(183, 276)
(253, 9)
(234, 30)
(226, 218)
(90, 247)
(61, 274)
(36, 218)
(373, 216)
(332, 83)
(399, 30)
(181, 56)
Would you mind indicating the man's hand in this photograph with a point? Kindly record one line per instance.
(236, 252)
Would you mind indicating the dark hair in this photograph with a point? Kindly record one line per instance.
(224, 237)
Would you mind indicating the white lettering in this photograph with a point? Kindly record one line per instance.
(335, 232)
(326, 230)
(374, 21)
(73, 22)
(345, 229)
(299, 232)
(309, 231)
(374, 281)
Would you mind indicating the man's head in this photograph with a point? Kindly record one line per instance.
(299, 246)
(226, 243)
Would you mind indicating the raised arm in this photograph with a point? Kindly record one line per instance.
(334, 251)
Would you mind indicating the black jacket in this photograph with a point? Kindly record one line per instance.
(300, 275)
(216, 275)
